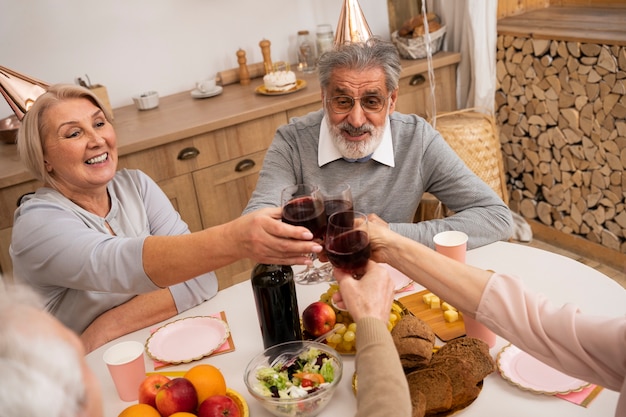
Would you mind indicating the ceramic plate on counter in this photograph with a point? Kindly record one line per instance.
(195, 93)
(530, 374)
(187, 339)
(300, 84)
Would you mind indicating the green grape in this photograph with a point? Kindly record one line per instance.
(341, 328)
(349, 336)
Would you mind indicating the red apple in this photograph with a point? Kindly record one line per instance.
(318, 318)
(177, 395)
(218, 406)
(149, 387)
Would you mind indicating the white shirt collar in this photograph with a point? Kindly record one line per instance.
(327, 152)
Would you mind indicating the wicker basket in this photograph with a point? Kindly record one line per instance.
(474, 137)
(415, 48)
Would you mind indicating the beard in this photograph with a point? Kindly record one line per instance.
(356, 149)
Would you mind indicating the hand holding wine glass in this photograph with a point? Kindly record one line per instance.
(347, 241)
(303, 205)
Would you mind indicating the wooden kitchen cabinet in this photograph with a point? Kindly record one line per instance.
(206, 154)
(9, 197)
(414, 93)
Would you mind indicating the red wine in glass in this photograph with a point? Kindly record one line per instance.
(347, 242)
(306, 211)
(333, 206)
(350, 251)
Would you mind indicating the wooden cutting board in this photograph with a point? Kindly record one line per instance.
(434, 317)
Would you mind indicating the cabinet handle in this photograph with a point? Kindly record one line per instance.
(417, 80)
(244, 165)
(188, 153)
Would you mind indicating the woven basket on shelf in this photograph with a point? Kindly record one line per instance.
(415, 48)
(474, 137)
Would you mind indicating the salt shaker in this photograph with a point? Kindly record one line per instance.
(306, 52)
(244, 75)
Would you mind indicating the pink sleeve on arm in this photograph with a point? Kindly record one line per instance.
(588, 347)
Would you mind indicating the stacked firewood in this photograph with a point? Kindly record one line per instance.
(561, 109)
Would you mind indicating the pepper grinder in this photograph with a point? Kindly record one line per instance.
(267, 58)
(244, 75)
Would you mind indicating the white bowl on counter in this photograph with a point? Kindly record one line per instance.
(146, 101)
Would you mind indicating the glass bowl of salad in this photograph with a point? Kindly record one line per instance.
(294, 379)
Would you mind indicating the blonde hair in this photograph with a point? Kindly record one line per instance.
(32, 132)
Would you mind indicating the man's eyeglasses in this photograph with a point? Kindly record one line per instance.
(370, 103)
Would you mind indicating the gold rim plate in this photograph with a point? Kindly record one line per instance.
(300, 84)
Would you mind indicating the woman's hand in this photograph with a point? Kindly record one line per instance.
(380, 235)
(263, 237)
(370, 296)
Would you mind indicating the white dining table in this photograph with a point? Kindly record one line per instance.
(560, 278)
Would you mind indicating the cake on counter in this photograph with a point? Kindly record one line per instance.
(279, 81)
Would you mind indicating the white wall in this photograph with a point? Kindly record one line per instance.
(131, 46)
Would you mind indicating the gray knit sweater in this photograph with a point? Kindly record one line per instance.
(423, 163)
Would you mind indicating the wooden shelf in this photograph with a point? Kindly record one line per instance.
(602, 25)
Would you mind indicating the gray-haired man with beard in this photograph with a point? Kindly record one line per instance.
(389, 159)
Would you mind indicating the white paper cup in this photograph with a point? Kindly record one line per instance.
(452, 243)
(127, 367)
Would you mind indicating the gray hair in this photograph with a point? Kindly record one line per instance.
(374, 53)
(44, 372)
(32, 132)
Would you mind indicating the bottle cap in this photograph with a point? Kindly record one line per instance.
(325, 28)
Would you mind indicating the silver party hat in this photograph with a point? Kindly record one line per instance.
(352, 26)
(19, 90)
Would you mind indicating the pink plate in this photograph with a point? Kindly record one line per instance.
(401, 280)
(187, 339)
(530, 374)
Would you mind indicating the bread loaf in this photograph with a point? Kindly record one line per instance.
(472, 349)
(414, 27)
(464, 387)
(414, 340)
(435, 385)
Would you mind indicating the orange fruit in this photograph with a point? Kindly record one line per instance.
(208, 380)
(183, 414)
(140, 410)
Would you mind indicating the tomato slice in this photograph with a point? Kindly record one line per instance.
(309, 379)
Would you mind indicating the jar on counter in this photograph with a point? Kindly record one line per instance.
(306, 53)
(325, 38)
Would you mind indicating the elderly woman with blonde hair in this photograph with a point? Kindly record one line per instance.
(105, 248)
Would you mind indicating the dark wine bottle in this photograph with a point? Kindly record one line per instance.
(276, 303)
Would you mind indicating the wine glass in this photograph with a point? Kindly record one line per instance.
(337, 197)
(347, 242)
(303, 205)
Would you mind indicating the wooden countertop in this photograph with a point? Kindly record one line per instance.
(180, 116)
(602, 25)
